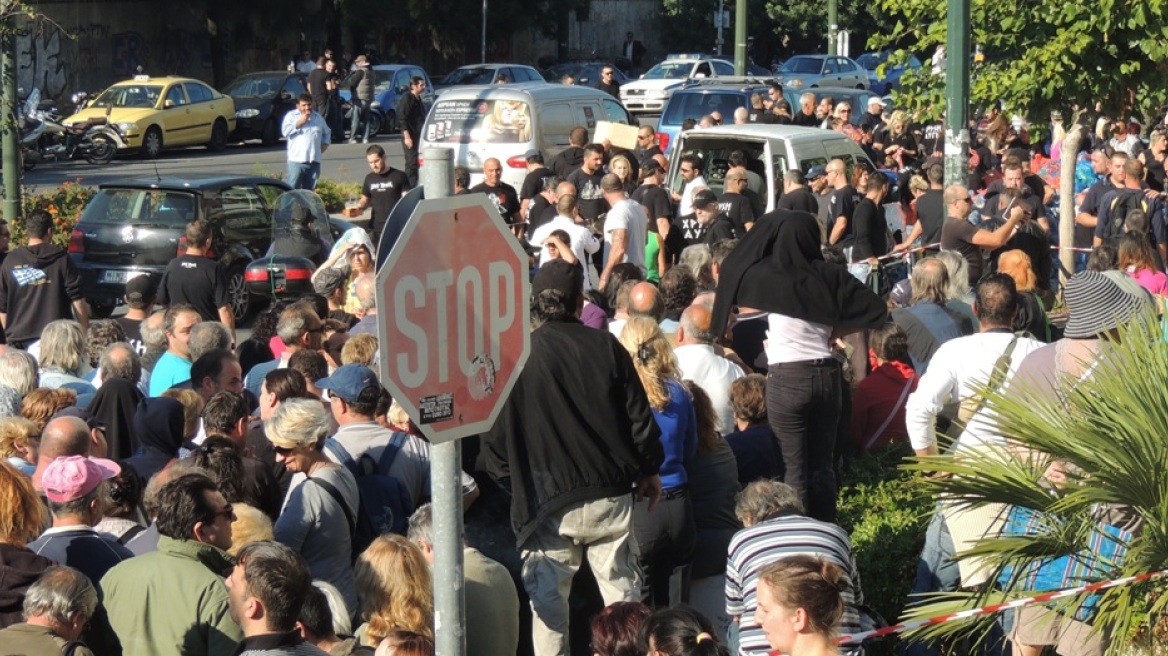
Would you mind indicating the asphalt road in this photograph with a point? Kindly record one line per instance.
(342, 163)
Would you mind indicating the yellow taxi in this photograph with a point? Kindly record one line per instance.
(153, 113)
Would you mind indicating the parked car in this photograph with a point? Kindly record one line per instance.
(137, 227)
(884, 84)
(810, 71)
(587, 73)
(770, 151)
(648, 94)
(697, 98)
(505, 121)
(392, 81)
(153, 113)
(261, 101)
(486, 74)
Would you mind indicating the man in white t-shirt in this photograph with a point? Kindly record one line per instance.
(691, 172)
(583, 242)
(626, 228)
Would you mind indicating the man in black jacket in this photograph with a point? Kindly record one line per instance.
(573, 441)
(571, 157)
(411, 116)
(39, 284)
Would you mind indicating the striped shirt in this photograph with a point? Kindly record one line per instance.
(755, 547)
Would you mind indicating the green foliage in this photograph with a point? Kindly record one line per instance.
(1108, 434)
(1044, 55)
(334, 194)
(885, 510)
(64, 204)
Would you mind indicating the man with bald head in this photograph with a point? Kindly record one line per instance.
(366, 290)
(503, 195)
(700, 362)
(62, 437)
(645, 301)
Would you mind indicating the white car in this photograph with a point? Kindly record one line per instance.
(649, 94)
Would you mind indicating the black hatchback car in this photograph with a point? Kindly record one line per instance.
(261, 100)
(137, 227)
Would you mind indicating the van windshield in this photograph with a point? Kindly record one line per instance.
(479, 120)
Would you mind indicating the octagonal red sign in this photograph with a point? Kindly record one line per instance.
(454, 316)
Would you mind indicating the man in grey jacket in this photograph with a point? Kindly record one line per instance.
(361, 83)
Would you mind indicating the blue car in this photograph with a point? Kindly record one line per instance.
(392, 80)
(884, 84)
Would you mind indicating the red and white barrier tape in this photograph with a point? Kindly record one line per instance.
(1072, 248)
(985, 610)
(904, 253)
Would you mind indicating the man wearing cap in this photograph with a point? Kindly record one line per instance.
(625, 228)
(796, 195)
(715, 225)
(72, 485)
(353, 395)
(533, 182)
(873, 118)
(141, 292)
(571, 450)
(583, 242)
(174, 600)
(382, 189)
(653, 196)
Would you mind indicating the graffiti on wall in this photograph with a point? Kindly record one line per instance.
(40, 61)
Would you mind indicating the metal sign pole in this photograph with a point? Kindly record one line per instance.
(437, 178)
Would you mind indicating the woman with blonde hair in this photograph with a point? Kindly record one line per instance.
(393, 582)
(323, 495)
(621, 166)
(664, 538)
(22, 517)
(900, 145)
(1031, 315)
(18, 443)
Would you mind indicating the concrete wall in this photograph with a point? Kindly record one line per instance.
(603, 32)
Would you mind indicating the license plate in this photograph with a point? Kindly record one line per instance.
(120, 277)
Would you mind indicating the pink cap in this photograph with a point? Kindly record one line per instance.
(69, 478)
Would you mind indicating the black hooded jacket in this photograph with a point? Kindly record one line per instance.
(19, 568)
(158, 425)
(37, 285)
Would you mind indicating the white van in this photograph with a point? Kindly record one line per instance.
(505, 121)
(770, 151)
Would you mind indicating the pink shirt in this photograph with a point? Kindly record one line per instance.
(1153, 281)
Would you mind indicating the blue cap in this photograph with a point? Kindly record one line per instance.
(349, 381)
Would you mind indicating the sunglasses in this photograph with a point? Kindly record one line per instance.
(282, 450)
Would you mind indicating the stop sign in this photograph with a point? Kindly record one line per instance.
(454, 317)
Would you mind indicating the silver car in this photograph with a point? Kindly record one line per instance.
(811, 71)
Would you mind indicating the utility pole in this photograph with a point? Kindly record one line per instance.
(832, 26)
(957, 94)
(740, 37)
(484, 51)
(8, 105)
(718, 24)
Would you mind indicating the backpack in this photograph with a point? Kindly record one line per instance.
(386, 504)
(1121, 206)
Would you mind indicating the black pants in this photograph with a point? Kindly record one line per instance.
(411, 155)
(663, 541)
(803, 408)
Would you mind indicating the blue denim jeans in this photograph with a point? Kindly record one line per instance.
(303, 175)
(359, 127)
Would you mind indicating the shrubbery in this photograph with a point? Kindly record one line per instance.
(64, 204)
(886, 511)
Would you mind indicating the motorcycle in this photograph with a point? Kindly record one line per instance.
(44, 138)
(302, 237)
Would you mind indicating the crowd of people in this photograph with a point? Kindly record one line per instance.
(699, 369)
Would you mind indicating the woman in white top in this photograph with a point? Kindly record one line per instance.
(778, 267)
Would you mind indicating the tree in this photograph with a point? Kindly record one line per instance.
(1043, 55)
(1106, 431)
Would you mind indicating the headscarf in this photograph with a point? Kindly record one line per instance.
(114, 404)
(158, 424)
(778, 267)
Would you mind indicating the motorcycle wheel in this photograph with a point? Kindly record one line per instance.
(101, 150)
